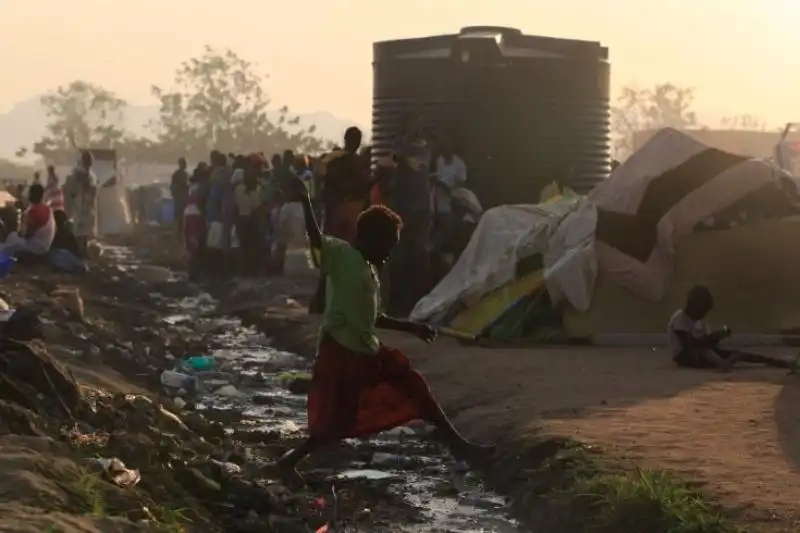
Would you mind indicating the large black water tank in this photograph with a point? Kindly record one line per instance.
(521, 109)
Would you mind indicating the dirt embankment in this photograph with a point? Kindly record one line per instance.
(656, 442)
(74, 395)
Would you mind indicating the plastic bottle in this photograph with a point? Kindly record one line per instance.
(199, 363)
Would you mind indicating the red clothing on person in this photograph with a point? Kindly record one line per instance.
(375, 196)
(194, 227)
(193, 232)
(54, 197)
(354, 394)
(345, 192)
(37, 217)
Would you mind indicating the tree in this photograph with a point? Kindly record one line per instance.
(661, 106)
(80, 114)
(744, 122)
(219, 103)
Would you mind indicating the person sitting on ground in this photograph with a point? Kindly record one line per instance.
(65, 252)
(38, 227)
(360, 386)
(64, 238)
(693, 345)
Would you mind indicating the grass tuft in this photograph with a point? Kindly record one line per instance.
(574, 487)
(649, 499)
(87, 488)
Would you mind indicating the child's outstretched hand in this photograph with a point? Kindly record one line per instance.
(424, 332)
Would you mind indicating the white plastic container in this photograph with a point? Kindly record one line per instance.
(178, 380)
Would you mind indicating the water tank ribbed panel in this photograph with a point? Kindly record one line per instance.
(522, 110)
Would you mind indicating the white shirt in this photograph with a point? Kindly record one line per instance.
(452, 174)
(680, 321)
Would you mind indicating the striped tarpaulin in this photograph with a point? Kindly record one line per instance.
(660, 194)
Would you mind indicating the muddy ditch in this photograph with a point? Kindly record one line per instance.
(257, 394)
(401, 477)
(193, 462)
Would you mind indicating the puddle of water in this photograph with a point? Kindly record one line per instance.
(174, 320)
(411, 467)
(373, 475)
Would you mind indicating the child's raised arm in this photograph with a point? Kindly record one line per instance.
(300, 190)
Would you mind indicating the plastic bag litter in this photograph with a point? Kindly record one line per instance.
(116, 472)
(227, 468)
(179, 380)
(390, 459)
(229, 391)
(400, 432)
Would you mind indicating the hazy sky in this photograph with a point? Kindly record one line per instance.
(737, 53)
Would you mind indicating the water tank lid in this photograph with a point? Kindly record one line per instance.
(490, 29)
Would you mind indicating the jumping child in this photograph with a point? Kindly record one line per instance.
(693, 345)
(359, 385)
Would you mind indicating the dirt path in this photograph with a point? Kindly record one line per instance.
(737, 433)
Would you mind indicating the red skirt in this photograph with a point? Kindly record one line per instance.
(193, 232)
(356, 395)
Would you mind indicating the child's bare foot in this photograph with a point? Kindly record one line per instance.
(286, 472)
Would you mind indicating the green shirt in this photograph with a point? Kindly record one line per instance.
(352, 296)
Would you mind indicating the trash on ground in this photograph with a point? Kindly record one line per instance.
(116, 472)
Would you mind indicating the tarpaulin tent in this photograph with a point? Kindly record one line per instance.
(627, 237)
(6, 198)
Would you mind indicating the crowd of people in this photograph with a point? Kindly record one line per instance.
(239, 216)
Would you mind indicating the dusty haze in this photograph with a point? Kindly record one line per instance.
(739, 54)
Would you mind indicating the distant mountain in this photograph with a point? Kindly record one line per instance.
(25, 124)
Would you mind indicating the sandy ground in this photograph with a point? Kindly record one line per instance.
(738, 434)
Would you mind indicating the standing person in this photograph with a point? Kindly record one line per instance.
(359, 385)
(194, 225)
(302, 167)
(451, 173)
(179, 187)
(345, 188)
(249, 200)
(410, 196)
(272, 202)
(20, 196)
(219, 214)
(284, 178)
(53, 194)
(80, 200)
(345, 193)
(291, 230)
(289, 161)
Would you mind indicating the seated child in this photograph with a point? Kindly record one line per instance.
(693, 345)
(38, 227)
